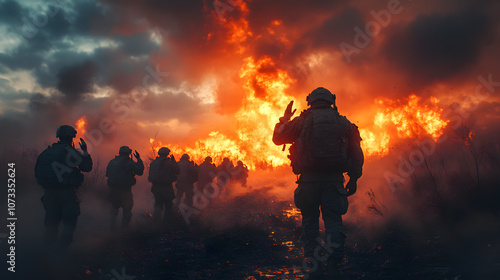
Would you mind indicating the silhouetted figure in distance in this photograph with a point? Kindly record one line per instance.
(121, 173)
(185, 181)
(163, 172)
(207, 172)
(225, 172)
(241, 173)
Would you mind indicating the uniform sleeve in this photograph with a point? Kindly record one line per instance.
(138, 167)
(107, 169)
(36, 166)
(287, 132)
(196, 171)
(355, 153)
(175, 168)
(86, 164)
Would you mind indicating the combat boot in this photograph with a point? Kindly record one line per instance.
(313, 268)
(333, 270)
(112, 223)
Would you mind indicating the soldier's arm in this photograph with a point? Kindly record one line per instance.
(196, 171)
(175, 167)
(286, 132)
(355, 153)
(86, 164)
(36, 166)
(138, 167)
(107, 170)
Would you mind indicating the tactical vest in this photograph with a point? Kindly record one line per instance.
(323, 143)
(188, 172)
(120, 173)
(161, 171)
(55, 167)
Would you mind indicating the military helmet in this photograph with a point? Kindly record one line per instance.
(164, 151)
(66, 131)
(125, 150)
(320, 94)
(185, 156)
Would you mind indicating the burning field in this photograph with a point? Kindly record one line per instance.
(212, 78)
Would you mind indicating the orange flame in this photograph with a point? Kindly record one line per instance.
(411, 120)
(81, 125)
(265, 86)
(255, 121)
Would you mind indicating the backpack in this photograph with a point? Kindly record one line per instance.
(161, 171)
(52, 170)
(188, 172)
(119, 173)
(323, 143)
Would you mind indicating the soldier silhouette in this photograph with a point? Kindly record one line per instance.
(163, 172)
(188, 175)
(324, 146)
(207, 172)
(241, 173)
(121, 173)
(58, 169)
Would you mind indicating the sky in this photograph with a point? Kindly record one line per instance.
(196, 74)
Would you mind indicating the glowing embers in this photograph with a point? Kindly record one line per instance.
(292, 212)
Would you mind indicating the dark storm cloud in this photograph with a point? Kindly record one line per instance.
(182, 18)
(121, 65)
(57, 25)
(10, 12)
(327, 35)
(93, 18)
(435, 47)
(336, 29)
(293, 13)
(320, 22)
(38, 102)
(77, 80)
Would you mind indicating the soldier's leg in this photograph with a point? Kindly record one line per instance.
(158, 207)
(333, 206)
(189, 196)
(70, 213)
(168, 197)
(53, 216)
(307, 200)
(127, 204)
(167, 218)
(114, 209)
(180, 194)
